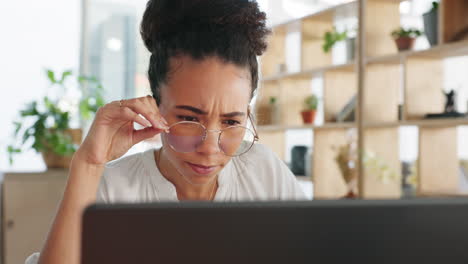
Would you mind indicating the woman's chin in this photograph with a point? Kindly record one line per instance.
(199, 176)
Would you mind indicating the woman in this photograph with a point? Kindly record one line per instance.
(203, 73)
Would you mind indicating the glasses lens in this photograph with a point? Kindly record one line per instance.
(236, 141)
(185, 137)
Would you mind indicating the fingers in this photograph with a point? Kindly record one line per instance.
(128, 114)
(146, 106)
(140, 135)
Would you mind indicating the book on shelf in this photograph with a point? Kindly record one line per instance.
(347, 113)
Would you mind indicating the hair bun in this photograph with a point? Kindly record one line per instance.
(166, 18)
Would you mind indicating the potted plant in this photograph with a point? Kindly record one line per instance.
(404, 38)
(330, 38)
(310, 109)
(274, 110)
(430, 19)
(45, 126)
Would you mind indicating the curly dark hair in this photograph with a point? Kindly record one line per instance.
(232, 30)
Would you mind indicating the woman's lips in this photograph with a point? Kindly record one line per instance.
(200, 169)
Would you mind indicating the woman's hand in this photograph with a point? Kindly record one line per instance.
(112, 133)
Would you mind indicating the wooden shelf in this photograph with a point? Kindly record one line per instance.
(422, 123)
(414, 78)
(455, 49)
(308, 73)
(274, 128)
(325, 14)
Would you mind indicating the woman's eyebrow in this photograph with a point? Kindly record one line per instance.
(201, 112)
(233, 114)
(191, 108)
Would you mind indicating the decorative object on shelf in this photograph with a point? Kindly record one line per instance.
(346, 158)
(274, 110)
(410, 177)
(404, 38)
(299, 160)
(400, 112)
(449, 109)
(310, 109)
(330, 38)
(50, 132)
(350, 48)
(347, 113)
(378, 166)
(281, 68)
(430, 19)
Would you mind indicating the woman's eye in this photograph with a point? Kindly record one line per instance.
(232, 122)
(188, 118)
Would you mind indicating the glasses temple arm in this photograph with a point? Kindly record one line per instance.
(256, 138)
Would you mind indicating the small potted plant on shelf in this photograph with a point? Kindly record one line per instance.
(330, 38)
(430, 19)
(404, 38)
(45, 125)
(310, 109)
(274, 110)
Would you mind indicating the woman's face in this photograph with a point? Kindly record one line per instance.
(213, 93)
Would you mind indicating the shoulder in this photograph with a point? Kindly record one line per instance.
(129, 168)
(124, 177)
(262, 170)
(261, 158)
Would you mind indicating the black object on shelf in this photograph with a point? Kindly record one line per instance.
(449, 109)
(446, 115)
(298, 160)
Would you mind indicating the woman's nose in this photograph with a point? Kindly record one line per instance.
(209, 145)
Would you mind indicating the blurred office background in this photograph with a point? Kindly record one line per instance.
(101, 38)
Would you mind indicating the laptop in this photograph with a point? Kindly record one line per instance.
(324, 232)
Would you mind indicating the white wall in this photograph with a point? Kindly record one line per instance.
(34, 35)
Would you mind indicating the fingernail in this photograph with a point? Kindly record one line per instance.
(164, 121)
(147, 123)
(162, 126)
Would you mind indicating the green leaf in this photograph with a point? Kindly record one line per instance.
(84, 110)
(331, 38)
(65, 74)
(48, 104)
(26, 135)
(81, 79)
(31, 110)
(11, 151)
(18, 126)
(51, 76)
(99, 102)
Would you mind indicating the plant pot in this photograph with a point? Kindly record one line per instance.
(53, 160)
(308, 117)
(404, 43)
(431, 26)
(264, 115)
(275, 114)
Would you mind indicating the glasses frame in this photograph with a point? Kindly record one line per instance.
(219, 131)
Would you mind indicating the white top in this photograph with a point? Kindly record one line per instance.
(257, 175)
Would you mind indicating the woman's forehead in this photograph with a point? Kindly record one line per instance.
(207, 83)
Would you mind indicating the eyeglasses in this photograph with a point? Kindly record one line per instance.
(187, 136)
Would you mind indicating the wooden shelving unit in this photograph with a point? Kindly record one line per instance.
(388, 77)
